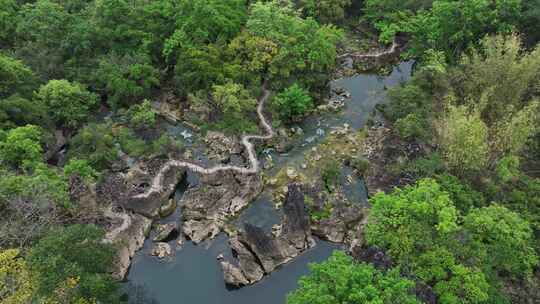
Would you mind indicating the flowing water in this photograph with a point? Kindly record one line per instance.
(193, 275)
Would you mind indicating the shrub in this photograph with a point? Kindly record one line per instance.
(293, 102)
(81, 167)
(330, 174)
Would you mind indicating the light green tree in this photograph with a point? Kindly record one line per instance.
(292, 102)
(340, 280)
(67, 103)
(22, 146)
(463, 139)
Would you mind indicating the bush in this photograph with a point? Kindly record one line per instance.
(463, 196)
(293, 102)
(130, 143)
(360, 164)
(21, 146)
(411, 126)
(82, 168)
(142, 115)
(95, 143)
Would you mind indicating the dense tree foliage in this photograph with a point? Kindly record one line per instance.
(82, 266)
(422, 229)
(68, 103)
(341, 280)
(445, 25)
(293, 102)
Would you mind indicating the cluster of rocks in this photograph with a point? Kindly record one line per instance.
(338, 97)
(132, 220)
(258, 253)
(164, 233)
(207, 206)
(224, 149)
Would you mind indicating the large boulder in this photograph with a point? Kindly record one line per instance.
(161, 250)
(129, 240)
(165, 232)
(259, 253)
(207, 207)
(139, 180)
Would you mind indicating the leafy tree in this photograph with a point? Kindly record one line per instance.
(341, 280)
(199, 67)
(325, 11)
(77, 253)
(95, 143)
(142, 115)
(503, 239)
(18, 111)
(30, 204)
(127, 79)
(16, 286)
(445, 25)
(233, 99)
(14, 77)
(462, 194)
(205, 22)
(418, 226)
(8, 22)
(411, 219)
(530, 21)
(41, 32)
(67, 103)
(292, 102)
(22, 146)
(463, 139)
(306, 51)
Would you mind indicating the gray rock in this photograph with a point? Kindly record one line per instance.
(207, 207)
(161, 250)
(233, 275)
(167, 208)
(138, 181)
(259, 253)
(164, 231)
(129, 241)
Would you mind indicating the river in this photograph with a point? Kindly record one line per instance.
(193, 276)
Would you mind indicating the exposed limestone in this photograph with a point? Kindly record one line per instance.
(206, 208)
(161, 250)
(129, 241)
(259, 253)
(139, 179)
(164, 232)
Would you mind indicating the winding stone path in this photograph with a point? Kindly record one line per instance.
(157, 183)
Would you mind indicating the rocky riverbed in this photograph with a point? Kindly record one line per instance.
(223, 214)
